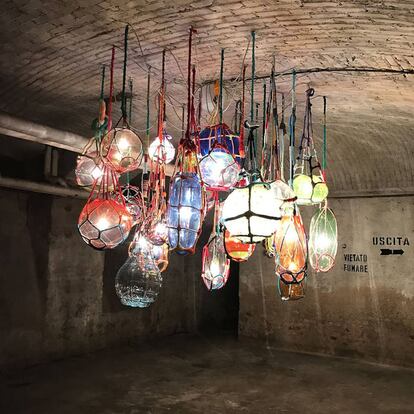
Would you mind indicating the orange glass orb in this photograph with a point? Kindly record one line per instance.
(122, 148)
(292, 291)
(236, 250)
(104, 223)
(291, 249)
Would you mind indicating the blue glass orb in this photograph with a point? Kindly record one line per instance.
(184, 212)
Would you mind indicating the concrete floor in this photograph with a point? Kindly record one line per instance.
(185, 374)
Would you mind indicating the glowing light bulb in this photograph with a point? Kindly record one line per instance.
(102, 223)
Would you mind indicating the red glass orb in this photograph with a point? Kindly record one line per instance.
(236, 250)
(104, 223)
(122, 148)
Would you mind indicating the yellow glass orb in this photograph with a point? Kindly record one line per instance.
(303, 188)
(320, 191)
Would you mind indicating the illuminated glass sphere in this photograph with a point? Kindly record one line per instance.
(219, 170)
(251, 213)
(310, 190)
(185, 212)
(122, 148)
(136, 285)
(236, 250)
(291, 249)
(156, 231)
(291, 291)
(216, 265)
(133, 202)
(89, 169)
(104, 223)
(141, 248)
(158, 151)
(323, 240)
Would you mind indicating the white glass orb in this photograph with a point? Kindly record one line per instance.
(219, 170)
(252, 213)
(158, 151)
(89, 168)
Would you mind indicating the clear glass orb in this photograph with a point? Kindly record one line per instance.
(137, 285)
(157, 232)
(89, 169)
(158, 151)
(251, 213)
(236, 250)
(104, 223)
(219, 170)
(323, 240)
(122, 148)
(133, 202)
(216, 265)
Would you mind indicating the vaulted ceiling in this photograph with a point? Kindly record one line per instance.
(52, 52)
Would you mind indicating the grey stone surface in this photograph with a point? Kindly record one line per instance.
(185, 374)
(361, 315)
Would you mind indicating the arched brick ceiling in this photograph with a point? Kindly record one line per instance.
(51, 52)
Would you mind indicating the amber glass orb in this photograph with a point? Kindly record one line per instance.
(122, 148)
(291, 249)
(291, 291)
(236, 250)
(104, 223)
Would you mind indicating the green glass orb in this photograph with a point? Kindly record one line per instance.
(303, 188)
(320, 190)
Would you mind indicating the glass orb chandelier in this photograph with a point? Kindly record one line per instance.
(218, 169)
(122, 149)
(137, 285)
(162, 150)
(308, 179)
(291, 249)
(251, 213)
(236, 250)
(292, 291)
(323, 239)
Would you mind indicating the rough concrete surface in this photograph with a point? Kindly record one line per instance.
(184, 374)
(357, 314)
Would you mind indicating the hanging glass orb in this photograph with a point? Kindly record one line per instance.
(104, 223)
(164, 151)
(218, 169)
(133, 202)
(291, 291)
(157, 231)
(122, 148)
(138, 285)
(252, 213)
(221, 132)
(235, 249)
(310, 189)
(141, 248)
(291, 249)
(216, 265)
(184, 212)
(89, 169)
(323, 240)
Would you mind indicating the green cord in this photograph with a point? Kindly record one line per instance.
(324, 151)
(253, 74)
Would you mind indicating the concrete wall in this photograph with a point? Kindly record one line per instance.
(57, 295)
(362, 315)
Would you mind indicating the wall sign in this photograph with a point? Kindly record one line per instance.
(395, 244)
(356, 262)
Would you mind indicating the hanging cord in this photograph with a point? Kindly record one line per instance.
(221, 88)
(292, 122)
(123, 103)
(242, 115)
(324, 150)
(264, 117)
(253, 75)
(148, 109)
(282, 140)
(275, 115)
(190, 41)
(131, 86)
(111, 89)
(306, 139)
